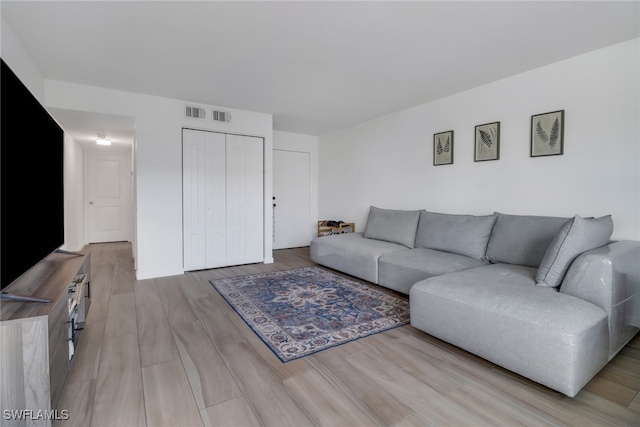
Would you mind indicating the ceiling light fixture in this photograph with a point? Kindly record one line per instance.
(101, 140)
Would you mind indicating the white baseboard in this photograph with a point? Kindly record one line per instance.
(153, 275)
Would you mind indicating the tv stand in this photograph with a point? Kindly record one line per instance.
(38, 340)
(62, 251)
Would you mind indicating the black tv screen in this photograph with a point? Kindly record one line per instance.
(31, 179)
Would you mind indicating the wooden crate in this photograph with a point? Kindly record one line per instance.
(326, 230)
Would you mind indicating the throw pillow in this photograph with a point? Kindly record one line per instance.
(575, 237)
(394, 226)
(459, 234)
(522, 239)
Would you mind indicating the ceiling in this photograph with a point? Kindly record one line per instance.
(316, 66)
(85, 127)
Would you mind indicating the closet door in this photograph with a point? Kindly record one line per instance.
(204, 215)
(245, 195)
(216, 193)
(254, 199)
(193, 200)
(223, 199)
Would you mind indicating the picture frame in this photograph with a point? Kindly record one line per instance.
(487, 142)
(547, 134)
(443, 148)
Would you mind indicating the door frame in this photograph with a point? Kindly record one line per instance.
(129, 184)
(287, 141)
(310, 192)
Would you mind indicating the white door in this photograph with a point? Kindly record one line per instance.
(292, 199)
(223, 199)
(245, 195)
(204, 194)
(108, 196)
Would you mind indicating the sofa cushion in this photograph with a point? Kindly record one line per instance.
(400, 270)
(395, 226)
(522, 239)
(459, 234)
(497, 313)
(575, 237)
(351, 253)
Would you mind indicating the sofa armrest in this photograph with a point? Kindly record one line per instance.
(609, 277)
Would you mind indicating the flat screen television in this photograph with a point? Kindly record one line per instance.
(31, 180)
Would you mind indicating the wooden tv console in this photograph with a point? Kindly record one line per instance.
(35, 350)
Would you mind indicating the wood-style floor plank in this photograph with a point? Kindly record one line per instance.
(209, 377)
(383, 406)
(233, 412)
(175, 304)
(430, 404)
(154, 334)
(169, 401)
(124, 275)
(325, 403)
(118, 397)
(172, 351)
(87, 356)
(78, 401)
(415, 363)
(271, 401)
(100, 285)
(121, 315)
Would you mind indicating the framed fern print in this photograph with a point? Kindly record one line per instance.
(547, 134)
(487, 142)
(443, 148)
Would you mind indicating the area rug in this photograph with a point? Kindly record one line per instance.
(300, 312)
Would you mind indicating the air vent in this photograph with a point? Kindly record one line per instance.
(194, 112)
(221, 116)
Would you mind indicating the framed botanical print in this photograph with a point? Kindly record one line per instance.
(547, 134)
(487, 142)
(443, 148)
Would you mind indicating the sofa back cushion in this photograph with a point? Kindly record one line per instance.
(522, 239)
(459, 234)
(575, 237)
(394, 226)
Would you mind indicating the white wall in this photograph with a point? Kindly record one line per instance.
(158, 164)
(305, 144)
(17, 58)
(74, 236)
(388, 162)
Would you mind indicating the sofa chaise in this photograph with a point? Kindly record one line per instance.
(550, 298)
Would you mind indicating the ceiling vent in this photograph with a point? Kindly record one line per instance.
(194, 112)
(221, 116)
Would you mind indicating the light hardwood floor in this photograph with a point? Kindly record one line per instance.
(172, 352)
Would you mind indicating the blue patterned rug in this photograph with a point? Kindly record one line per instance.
(300, 312)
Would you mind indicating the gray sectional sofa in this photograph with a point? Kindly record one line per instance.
(549, 298)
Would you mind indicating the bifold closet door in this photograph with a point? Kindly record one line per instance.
(223, 193)
(204, 199)
(245, 195)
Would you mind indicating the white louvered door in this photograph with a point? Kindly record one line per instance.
(223, 194)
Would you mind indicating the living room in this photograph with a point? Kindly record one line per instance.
(386, 160)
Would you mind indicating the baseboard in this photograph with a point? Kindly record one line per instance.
(153, 275)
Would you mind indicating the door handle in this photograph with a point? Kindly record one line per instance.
(90, 203)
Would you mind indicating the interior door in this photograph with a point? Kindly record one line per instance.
(245, 198)
(223, 199)
(108, 196)
(204, 199)
(292, 192)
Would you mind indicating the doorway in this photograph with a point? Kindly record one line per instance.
(108, 204)
(292, 199)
